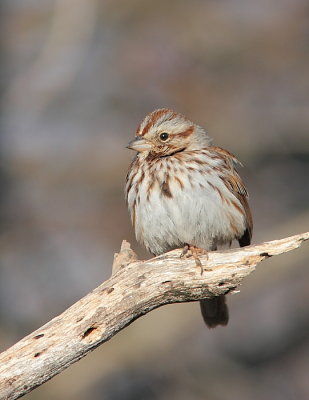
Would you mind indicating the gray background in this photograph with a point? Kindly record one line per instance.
(76, 79)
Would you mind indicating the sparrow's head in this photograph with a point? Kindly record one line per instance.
(164, 132)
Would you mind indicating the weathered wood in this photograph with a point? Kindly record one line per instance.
(134, 289)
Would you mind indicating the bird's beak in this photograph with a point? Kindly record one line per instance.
(139, 144)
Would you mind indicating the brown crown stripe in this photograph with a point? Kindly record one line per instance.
(154, 117)
(146, 128)
(138, 129)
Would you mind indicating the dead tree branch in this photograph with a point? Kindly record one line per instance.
(134, 289)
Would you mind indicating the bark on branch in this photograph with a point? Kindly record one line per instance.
(134, 289)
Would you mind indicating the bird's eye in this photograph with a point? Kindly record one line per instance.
(164, 136)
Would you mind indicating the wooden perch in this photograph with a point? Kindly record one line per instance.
(134, 289)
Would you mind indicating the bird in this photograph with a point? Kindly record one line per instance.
(183, 192)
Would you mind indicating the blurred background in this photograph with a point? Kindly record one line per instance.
(76, 79)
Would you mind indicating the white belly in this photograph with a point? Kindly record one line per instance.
(195, 214)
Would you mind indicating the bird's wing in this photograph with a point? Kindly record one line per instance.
(237, 187)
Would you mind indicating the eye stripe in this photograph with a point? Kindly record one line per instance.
(185, 133)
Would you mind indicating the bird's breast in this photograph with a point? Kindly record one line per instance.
(172, 204)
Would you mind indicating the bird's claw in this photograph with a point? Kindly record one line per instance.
(194, 252)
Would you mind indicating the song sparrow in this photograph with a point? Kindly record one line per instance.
(181, 190)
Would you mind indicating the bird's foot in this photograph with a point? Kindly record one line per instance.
(195, 252)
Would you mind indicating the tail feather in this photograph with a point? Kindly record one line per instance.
(215, 311)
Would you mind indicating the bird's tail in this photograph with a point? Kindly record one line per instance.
(215, 311)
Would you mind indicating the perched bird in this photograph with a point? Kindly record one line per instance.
(183, 192)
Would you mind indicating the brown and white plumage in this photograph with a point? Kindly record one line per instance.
(182, 190)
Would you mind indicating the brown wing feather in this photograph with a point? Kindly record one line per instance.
(239, 190)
